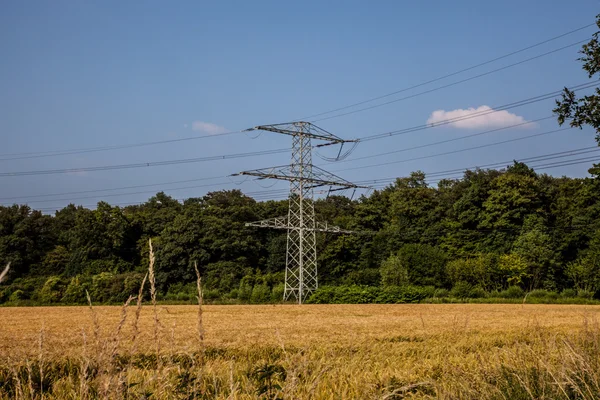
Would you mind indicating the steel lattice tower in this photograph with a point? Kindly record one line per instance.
(301, 254)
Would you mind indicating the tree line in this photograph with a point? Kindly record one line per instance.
(478, 236)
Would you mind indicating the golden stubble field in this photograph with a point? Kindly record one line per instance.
(310, 351)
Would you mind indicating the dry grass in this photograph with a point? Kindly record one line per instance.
(388, 352)
(4, 272)
(312, 351)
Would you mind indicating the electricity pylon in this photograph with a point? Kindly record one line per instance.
(301, 254)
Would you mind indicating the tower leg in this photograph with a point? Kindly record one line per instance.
(301, 255)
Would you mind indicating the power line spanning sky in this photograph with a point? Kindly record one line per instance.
(78, 75)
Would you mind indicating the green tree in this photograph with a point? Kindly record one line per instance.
(514, 269)
(394, 272)
(584, 110)
(426, 264)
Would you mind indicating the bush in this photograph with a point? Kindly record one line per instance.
(18, 295)
(478, 293)
(246, 287)
(552, 296)
(426, 264)
(461, 290)
(403, 294)
(370, 294)
(210, 294)
(568, 293)
(538, 294)
(585, 294)
(323, 295)
(513, 292)
(356, 295)
(441, 293)
(75, 292)
(277, 293)
(394, 272)
(260, 294)
(345, 295)
(52, 291)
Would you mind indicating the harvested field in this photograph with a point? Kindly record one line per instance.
(311, 351)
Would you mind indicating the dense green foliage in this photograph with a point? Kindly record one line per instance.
(482, 236)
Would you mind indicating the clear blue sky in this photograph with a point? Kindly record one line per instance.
(85, 74)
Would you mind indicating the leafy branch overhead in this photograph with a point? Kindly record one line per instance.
(584, 110)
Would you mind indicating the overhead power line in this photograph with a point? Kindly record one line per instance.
(143, 164)
(449, 75)
(459, 150)
(108, 189)
(453, 83)
(22, 156)
(446, 140)
(478, 114)
(530, 161)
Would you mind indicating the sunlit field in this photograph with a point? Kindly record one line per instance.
(312, 351)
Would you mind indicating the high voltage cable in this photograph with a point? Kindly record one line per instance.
(477, 114)
(21, 156)
(499, 164)
(446, 140)
(275, 151)
(128, 193)
(386, 181)
(143, 164)
(458, 151)
(451, 84)
(451, 74)
(535, 158)
(109, 189)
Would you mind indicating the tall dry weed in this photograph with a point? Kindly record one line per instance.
(4, 272)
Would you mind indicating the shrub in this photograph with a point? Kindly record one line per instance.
(402, 294)
(211, 294)
(513, 292)
(323, 295)
(356, 295)
(461, 290)
(394, 272)
(277, 293)
(426, 264)
(428, 291)
(552, 296)
(17, 295)
(568, 293)
(75, 292)
(478, 293)
(441, 293)
(585, 294)
(52, 291)
(246, 287)
(260, 294)
(538, 294)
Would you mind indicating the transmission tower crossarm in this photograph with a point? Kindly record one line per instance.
(308, 130)
(283, 223)
(319, 177)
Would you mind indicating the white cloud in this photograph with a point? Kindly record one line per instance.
(466, 118)
(208, 128)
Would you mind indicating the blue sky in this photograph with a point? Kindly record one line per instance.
(85, 74)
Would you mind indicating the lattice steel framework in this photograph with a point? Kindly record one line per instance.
(301, 255)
